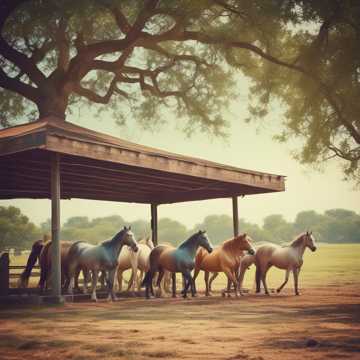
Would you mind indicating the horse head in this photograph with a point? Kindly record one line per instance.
(128, 238)
(203, 241)
(310, 241)
(244, 242)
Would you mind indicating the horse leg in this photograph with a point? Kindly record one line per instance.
(148, 280)
(296, 272)
(139, 280)
(241, 278)
(173, 277)
(193, 288)
(95, 275)
(231, 279)
(119, 279)
(263, 279)
(76, 281)
(258, 279)
(207, 287)
(134, 265)
(187, 277)
(112, 296)
(285, 282)
(212, 278)
(158, 282)
(196, 273)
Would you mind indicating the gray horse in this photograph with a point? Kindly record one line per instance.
(95, 258)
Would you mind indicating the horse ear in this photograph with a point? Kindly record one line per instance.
(129, 227)
(310, 232)
(245, 235)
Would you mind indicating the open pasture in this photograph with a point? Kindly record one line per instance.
(332, 264)
(322, 323)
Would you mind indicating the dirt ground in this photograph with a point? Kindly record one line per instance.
(322, 323)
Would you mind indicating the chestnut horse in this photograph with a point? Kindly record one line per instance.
(225, 258)
(180, 259)
(245, 262)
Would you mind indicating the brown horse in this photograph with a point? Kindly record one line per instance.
(45, 264)
(180, 259)
(225, 258)
(33, 258)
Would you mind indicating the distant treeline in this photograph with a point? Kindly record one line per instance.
(334, 226)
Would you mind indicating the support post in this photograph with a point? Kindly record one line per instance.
(4, 273)
(235, 215)
(55, 229)
(154, 223)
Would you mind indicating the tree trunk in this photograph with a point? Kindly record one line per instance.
(53, 102)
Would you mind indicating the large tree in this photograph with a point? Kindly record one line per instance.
(146, 56)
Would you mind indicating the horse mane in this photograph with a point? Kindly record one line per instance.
(114, 238)
(298, 240)
(230, 242)
(191, 238)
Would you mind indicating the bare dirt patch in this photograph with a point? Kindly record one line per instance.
(322, 323)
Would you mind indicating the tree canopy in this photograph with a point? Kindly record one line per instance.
(143, 57)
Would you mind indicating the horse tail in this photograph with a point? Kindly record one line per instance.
(153, 265)
(33, 257)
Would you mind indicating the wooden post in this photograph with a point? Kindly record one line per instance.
(235, 215)
(4, 274)
(55, 229)
(154, 223)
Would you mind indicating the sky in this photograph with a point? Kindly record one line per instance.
(249, 146)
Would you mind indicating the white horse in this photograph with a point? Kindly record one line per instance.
(245, 263)
(129, 259)
(289, 258)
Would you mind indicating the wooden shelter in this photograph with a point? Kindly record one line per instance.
(53, 159)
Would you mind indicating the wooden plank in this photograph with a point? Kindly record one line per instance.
(22, 143)
(141, 160)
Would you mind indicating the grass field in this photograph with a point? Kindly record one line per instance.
(322, 323)
(329, 265)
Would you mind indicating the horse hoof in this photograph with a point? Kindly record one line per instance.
(278, 290)
(223, 294)
(297, 294)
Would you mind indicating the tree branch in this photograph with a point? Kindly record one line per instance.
(18, 86)
(92, 96)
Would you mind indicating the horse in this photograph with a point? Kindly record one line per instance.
(289, 258)
(99, 257)
(245, 262)
(45, 264)
(180, 259)
(34, 256)
(145, 246)
(225, 258)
